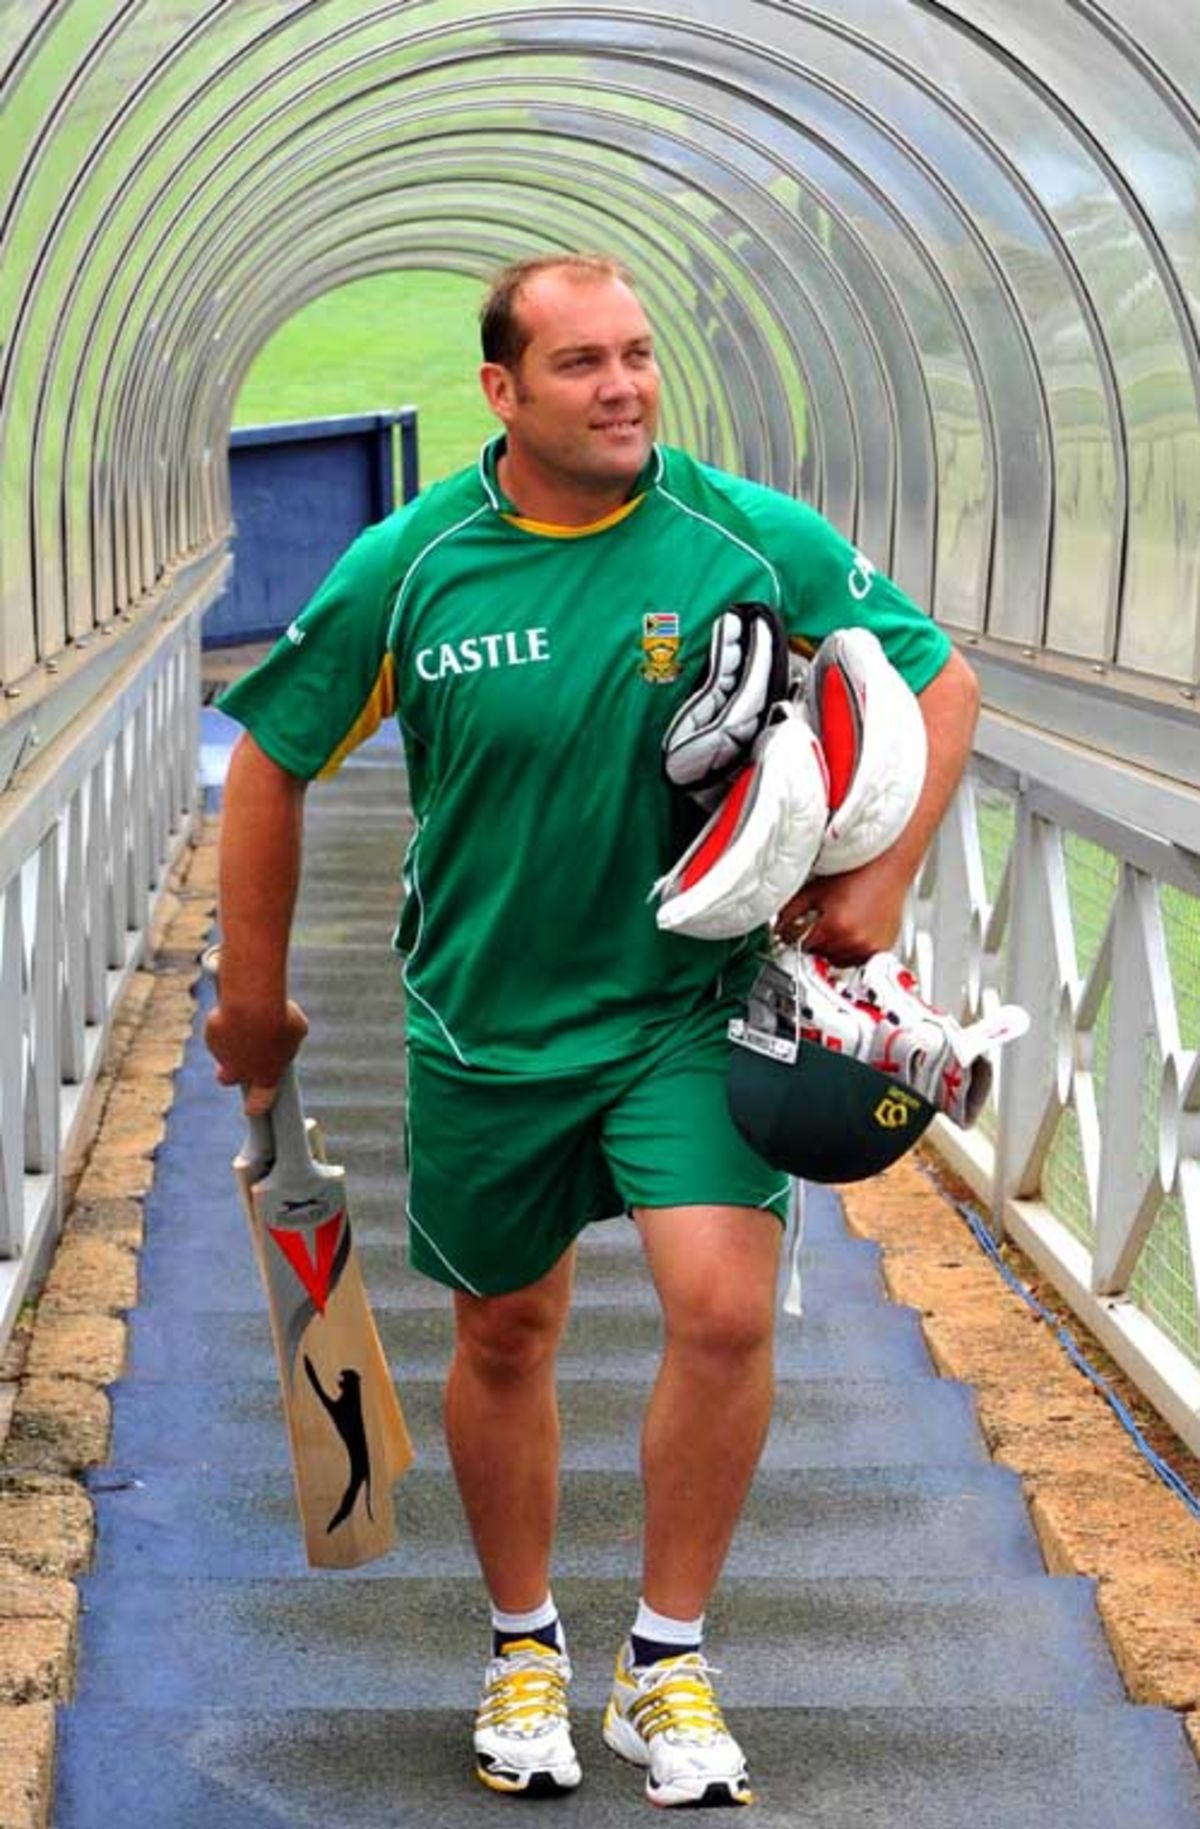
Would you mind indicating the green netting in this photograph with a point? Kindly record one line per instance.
(1064, 1183)
(997, 817)
(1181, 918)
(1092, 877)
(1163, 1283)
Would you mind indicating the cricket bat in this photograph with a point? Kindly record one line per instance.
(345, 1426)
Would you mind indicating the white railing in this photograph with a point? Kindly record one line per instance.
(88, 833)
(1089, 1155)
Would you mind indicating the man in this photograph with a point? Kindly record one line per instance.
(535, 622)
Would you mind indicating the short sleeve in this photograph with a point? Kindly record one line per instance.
(329, 681)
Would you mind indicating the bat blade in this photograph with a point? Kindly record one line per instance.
(346, 1428)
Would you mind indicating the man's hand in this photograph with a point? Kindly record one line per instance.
(252, 1048)
(847, 918)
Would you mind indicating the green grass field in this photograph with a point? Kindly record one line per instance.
(400, 339)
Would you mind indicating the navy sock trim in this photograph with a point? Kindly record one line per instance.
(650, 1650)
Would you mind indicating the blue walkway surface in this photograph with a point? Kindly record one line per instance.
(895, 1656)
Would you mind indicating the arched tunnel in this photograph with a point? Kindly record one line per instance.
(930, 265)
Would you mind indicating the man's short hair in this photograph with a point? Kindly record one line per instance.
(501, 328)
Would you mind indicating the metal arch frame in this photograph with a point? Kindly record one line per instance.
(1084, 136)
(992, 150)
(569, 15)
(1149, 238)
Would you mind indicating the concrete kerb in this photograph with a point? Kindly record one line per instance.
(55, 1421)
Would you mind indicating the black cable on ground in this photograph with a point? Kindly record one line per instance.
(1121, 1411)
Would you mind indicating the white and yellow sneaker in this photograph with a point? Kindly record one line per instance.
(665, 1717)
(522, 1730)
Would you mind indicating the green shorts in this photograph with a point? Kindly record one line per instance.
(506, 1170)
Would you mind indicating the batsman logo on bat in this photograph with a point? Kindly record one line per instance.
(345, 1412)
(316, 1254)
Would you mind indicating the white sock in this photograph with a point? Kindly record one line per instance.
(660, 1629)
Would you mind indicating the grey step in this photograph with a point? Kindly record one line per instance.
(603, 1342)
(189, 1275)
(845, 1521)
(827, 1422)
(168, 1643)
(1015, 1767)
(182, 1266)
(234, 1344)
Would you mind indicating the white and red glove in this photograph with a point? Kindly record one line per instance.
(873, 736)
(835, 771)
(712, 736)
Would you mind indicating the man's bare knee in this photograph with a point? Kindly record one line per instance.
(722, 1323)
(508, 1337)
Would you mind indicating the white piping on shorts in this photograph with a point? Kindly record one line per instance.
(438, 1252)
(793, 1240)
(408, 1159)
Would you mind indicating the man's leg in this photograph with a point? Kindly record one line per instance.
(502, 1429)
(715, 1271)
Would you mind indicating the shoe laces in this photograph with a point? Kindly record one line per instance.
(675, 1699)
(525, 1690)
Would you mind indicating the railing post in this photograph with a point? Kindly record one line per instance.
(45, 1071)
(1040, 960)
(115, 865)
(1129, 1196)
(95, 897)
(12, 1047)
(73, 947)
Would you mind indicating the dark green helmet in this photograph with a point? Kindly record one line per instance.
(806, 1104)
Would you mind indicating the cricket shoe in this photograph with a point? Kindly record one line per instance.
(522, 1731)
(664, 1716)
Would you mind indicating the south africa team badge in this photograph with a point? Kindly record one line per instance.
(660, 647)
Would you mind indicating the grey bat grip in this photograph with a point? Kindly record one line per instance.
(290, 1136)
(260, 1139)
(277, 1136)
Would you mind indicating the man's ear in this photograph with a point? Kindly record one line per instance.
(499, 389)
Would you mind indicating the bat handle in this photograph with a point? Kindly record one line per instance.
(288, 1129)
(279, 1135)
(259, 1146)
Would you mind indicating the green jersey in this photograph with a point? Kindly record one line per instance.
(533, 671)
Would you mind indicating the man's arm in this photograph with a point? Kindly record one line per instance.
(860, 912)
(255, 1031)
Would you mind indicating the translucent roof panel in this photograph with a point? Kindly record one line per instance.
(934, 267)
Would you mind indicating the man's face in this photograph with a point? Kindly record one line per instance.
(581, 406)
